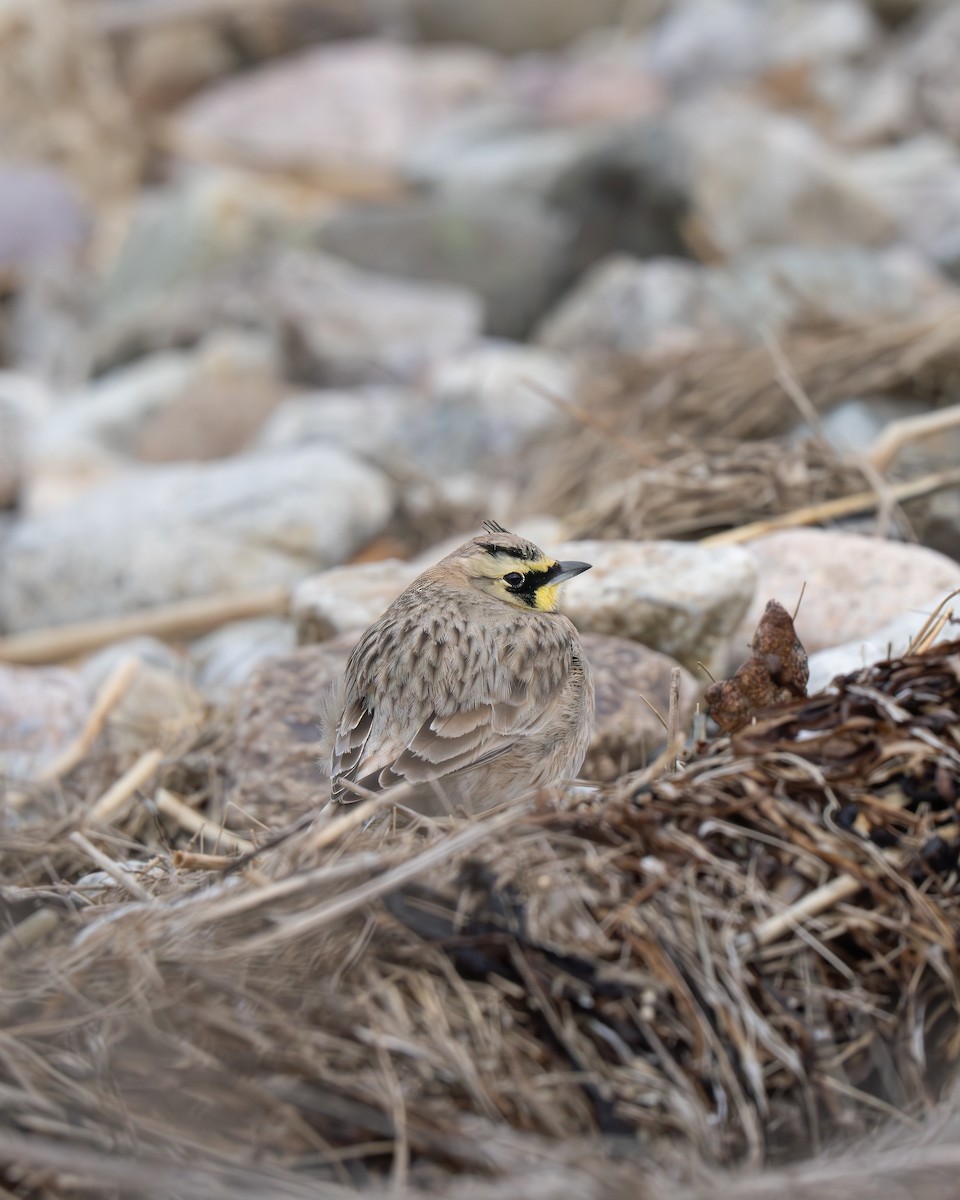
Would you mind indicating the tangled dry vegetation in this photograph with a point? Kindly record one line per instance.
(746, 959)
(692, 444)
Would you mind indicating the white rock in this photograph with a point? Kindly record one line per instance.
(851, 584)
(889, 640)
(163, 533)
(24, 404)
(368, 420)
(644, 307)
(115, 410)
(347, 111)
(703, 44)
(42, 710)
(225, 658)
(683, 599)
(484, 402)
(356, 326)
(625, 305)
(472, 409)
(918, 182)
(808, 196)
(348, 599)
(97, 668)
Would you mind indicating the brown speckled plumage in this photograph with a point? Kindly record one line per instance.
(464, 688)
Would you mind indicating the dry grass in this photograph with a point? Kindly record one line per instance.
(739, 964)
(663, 426)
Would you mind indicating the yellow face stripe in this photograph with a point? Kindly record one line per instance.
(547, 597)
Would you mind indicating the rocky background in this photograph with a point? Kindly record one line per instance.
(296, 292)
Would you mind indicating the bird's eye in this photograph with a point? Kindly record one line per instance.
(513, 579)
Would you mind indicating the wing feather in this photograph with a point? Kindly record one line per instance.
(461, 703)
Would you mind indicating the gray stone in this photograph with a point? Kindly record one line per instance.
(187, 233)
(471, 411)
(511, 26)
(347, 599)
(810, 195)
(485, 402)
(510, 251)
(347, 113)
(629, 192)
(369, 420)
(225, 659)
(918, 181)
(42, 711)
(889, 640)
(711, 44)
(633, 693)
(851, 584)
(629, 306)
(97, 668)
(498, 150)
(352, 326)
(42, 219)
(625, 306)
(677, 597)
(160, 709)
(159, 534)
(776, 287)
(198, 404)
(928, 57)
(11, 451)
(24, 405)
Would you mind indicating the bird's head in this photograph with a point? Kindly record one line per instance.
(513, 570)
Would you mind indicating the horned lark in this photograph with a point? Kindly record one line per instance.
(471, 687)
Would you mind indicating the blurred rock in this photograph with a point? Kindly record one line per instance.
(776, 287)
(511, 252)
(42, 711)
(677, 597)
(161, 708)
(706, 44)
(25, 403)
(511, 26)
(200, 404)
(60, 101)
(935, 519)
(875, 645)
(624, 305)
(226, 658)
(97, 668)
(867, 104)
(471, 412)
(628, 306)
(627, 192)
(348, 599)
(852, 425)
(347, 113)
(850, 583)
(350, 326)
(484, 403)
(928, 57)
(12, 439)
(809, 196)
(369, 420)
(42, 219)
(163, 533)
(163, 64)
(277, 761)
(918, 181)
(631, 680)
(213, 224)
